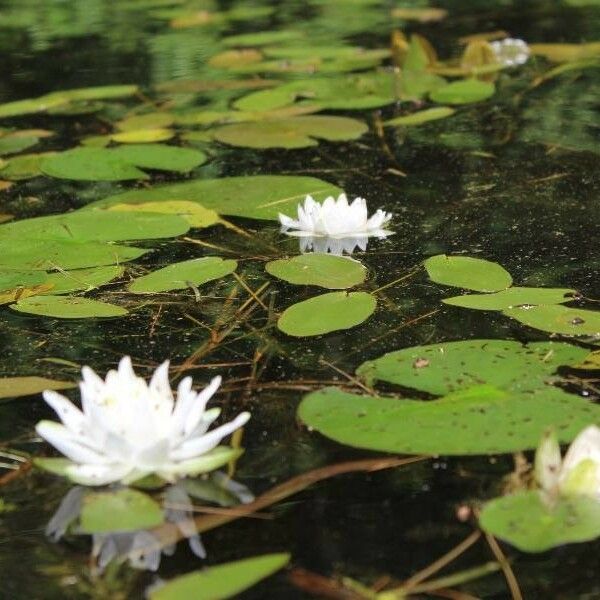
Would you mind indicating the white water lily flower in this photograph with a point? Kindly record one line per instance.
(511, 52)
(128, 429)
(578, 473)
(336, 219)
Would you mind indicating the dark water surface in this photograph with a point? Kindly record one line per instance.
(513, 180)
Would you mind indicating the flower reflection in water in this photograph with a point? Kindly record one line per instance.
(141, 548)
(336, 246)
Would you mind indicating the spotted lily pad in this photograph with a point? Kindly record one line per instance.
(512, 297)
(66, 307)
(181, 275)
(477, 420)
(255, 197)
(324, 270)
(531, 524)
(296, 132)
(221, 581)
(118, 510)
(327, 313)
(558, 319)
(116, 164)
(467, 272)
(451, 366)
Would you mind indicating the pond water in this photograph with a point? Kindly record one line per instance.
(509, 177)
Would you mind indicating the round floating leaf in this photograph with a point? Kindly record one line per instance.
(463, 92)
(13, 387)
(420, 117)
(558, 319)
(296, 132)
(324, 270)
(466, 272)
(512, 297)
(63, 307)
(255, 197)
(222, 581)
(478, 420)
(119, 510)
(182, 275)
(47, 255)
(117, 164)
(327, 313)
(96, 226)
(532, 525)
(447, 367)
(82, 280)
(195, 214)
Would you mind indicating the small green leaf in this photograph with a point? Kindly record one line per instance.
(222, 581)
(531, 524)
(420, 117)
(512, 297)
(66, 307)
(466, 272)
(478, 420)
(558, 319)
(327, 313)
(324, 270)
(120, 510)
(181, 275)
(13, 387)
(463, 92)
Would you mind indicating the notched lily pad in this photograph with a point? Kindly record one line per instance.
(324, 270)
(513, 297)
(327, 313)
(558, 319)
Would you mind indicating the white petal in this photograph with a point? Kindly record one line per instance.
(97, 474)
(69, 444)
(585, 446)
(71, 416)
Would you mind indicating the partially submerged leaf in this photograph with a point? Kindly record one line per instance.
(326, 313)
(14, 387)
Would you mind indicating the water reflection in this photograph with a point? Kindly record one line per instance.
(141, 548)
(337, 246)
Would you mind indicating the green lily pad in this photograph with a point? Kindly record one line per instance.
(222, 581)
(117, 164)
(420, 117)
(327, 313)
(14, 387)
(9, 280)
(82, 280)
(296, 132)
(182, 275)
(255, 197)
(47, 255)
(24, 166)
(466, 272)
(195, 214)
(262, 38)
(324, 270)
(451, 366)
(532, 525)
(463, 92)
(476, 420)
(96, 226)
(67, 307)
(118, 510)
(558, 319)
(512, 297)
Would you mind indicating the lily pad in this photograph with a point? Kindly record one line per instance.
(467, 91)
(82, 280)
(476, 420)
(529, 523)
(48, 255)
(10, 280)
(24, 166)
(255, 197)
(117, 164)
(262, 38)
(420, 117)
(558, 319)
(296, 132)
(14, 387)
(119, 510)
(195, 214)
(182, 275)
(66, 307)
(466, 272)
(327, 313)
(324, 270)
(451, 366)
(221, 581)
(512, 297)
